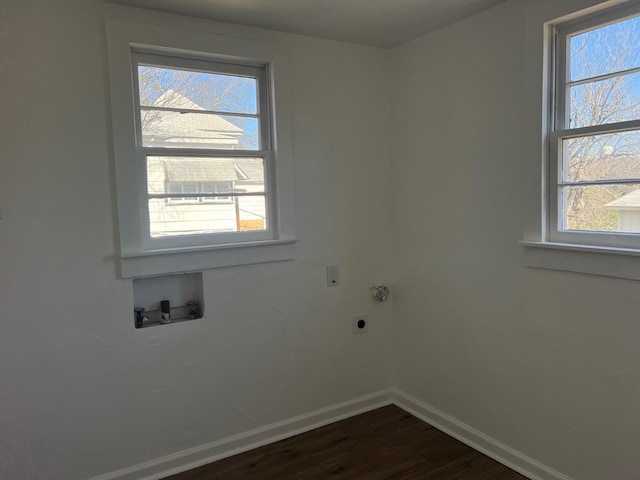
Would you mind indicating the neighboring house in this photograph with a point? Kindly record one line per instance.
(251, 210)
(174, 175)
(628, 207)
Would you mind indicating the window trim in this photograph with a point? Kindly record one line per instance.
(537, 251)
(138, 259)
(559, 131)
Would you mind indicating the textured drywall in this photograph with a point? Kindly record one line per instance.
(83, 393)
(544, 361)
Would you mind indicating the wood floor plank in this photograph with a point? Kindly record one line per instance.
(385, 444)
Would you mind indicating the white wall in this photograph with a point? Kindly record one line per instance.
(546, 362)
(81, 392)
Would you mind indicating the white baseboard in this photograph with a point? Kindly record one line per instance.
(477, 440)
(201, 455)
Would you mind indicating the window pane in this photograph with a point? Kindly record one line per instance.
(602, 157)
(178, 215)
(217, 187)
(174, 88)
(604, 208)
(199, 130)
(612, 100)
(197, 174)
(252, 213)
(609, 49)
(177, 218)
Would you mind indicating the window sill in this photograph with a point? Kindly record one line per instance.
(189, 259)
(587, 259)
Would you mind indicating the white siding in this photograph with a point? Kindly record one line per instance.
(193, 217)
(629, 221)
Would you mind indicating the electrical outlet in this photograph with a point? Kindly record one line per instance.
(333, 275)
(360, 324)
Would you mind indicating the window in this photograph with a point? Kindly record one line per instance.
(595, 131)
(213, 117)
(203, 177)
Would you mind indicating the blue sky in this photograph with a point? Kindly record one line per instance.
(238, 94)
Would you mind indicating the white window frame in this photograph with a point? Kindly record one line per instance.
(138, 254)
(540, 251)
(559, 130)
(264, 151)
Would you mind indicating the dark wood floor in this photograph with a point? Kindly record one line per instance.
(385, 444)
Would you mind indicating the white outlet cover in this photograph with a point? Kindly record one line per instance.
(356, 328)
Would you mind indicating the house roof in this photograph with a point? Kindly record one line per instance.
(202, 170)
(169, 127)
(175, 127)
(630, 201)
(253, 168)
(173, 99)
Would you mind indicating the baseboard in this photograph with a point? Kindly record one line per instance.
(477, 440)
(198, 456)
(201, 455)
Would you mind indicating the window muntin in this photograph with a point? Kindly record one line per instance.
(213, 118)
(595, 137)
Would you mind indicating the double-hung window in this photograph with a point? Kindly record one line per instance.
(594, 188)
(198, 124)
(203, 177)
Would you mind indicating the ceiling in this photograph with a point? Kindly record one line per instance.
(380, 23)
